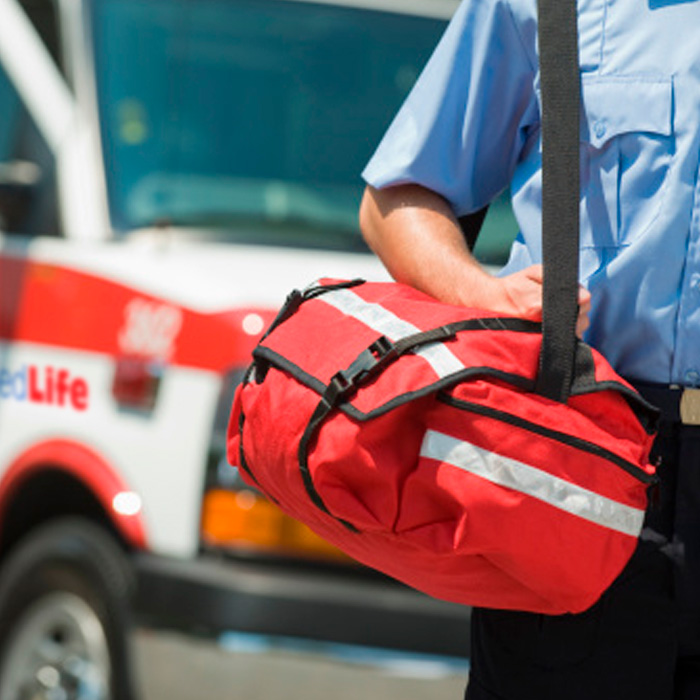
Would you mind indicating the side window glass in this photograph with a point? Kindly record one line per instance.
(43, 14)
(28, 196)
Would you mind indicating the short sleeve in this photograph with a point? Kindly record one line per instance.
(463, 126)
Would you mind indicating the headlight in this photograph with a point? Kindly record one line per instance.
(237, 517)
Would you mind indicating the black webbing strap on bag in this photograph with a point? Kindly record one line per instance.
(560, 87)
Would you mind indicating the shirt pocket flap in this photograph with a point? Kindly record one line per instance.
(614, 106)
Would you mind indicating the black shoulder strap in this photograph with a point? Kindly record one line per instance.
(560, 87)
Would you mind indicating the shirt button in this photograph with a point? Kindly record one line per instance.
(599, 129)
(692, 377)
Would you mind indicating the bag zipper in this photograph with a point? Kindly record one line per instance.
(575, 442)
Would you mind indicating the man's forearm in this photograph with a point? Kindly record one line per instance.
(417, 237)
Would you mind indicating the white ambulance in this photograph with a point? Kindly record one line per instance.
(169, 171)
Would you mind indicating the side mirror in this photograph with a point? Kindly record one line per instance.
(19, 180)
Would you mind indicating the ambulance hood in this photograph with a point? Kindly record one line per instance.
(203, 276)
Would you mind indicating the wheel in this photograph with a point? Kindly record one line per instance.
(64, 610)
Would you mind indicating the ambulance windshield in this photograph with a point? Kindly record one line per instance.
(249, 118)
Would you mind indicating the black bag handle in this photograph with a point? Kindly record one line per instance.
(560, 87)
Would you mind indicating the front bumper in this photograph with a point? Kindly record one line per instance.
(213, 595)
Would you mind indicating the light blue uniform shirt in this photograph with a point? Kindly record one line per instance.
(470, 128)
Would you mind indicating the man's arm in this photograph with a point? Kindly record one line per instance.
(416, 235)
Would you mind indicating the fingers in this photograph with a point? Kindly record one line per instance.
(584, 298)
(582, 324)
(523, 297)
(535, 272)
(522, 294)
(531, 300)
(584, 307)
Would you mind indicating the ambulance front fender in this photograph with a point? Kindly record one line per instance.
(121, 505)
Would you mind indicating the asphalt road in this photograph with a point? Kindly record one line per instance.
(244, 667)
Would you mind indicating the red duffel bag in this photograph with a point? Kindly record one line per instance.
(406, 432)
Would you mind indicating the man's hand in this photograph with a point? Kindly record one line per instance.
(520, 294)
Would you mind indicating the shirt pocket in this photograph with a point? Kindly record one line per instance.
(627, 145)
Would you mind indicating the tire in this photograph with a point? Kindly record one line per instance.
(64, 611)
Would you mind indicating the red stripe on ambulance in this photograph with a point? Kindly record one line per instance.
(58, 306)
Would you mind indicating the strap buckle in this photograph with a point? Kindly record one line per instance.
(366, 364)
(690, 406)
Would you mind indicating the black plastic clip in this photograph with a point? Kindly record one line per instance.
(368, 363)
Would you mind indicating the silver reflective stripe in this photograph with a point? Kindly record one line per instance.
(385, 322)
(533, 482)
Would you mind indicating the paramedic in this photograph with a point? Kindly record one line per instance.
(470, 129)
